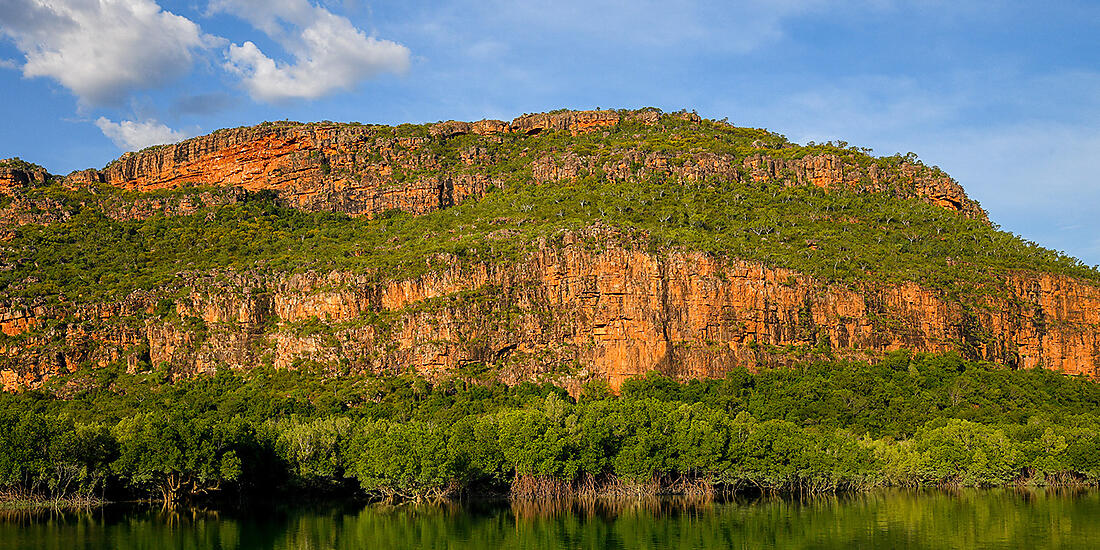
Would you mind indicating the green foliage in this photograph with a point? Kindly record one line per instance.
(408, 459)
(837, 235)
(536, 442)
(50, 455)
(312, 449)
(968, 452)
(907, 420)
(179, 456)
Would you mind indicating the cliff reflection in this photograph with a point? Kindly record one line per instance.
(883, 519)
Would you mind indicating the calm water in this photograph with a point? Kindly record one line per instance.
(891, 519)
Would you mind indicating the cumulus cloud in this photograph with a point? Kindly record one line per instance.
(330, 54)
(101, 50)
(132, 135)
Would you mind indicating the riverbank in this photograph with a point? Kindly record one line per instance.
(824, 427)
(540, 492)
(13, 501)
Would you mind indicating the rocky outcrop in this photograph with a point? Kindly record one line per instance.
(589, 305)
(142, 207)
(574, 122)
(570, 312)
(353, 169)
(17, 321)
(25, 207)
(16, 178)
(16, 173)
(458, 128)
(367, 170)
(907, 180)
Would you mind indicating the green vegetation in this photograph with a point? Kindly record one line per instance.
(16, 163)
(899, 519)
(926, 420)
(837, 235)
(827, 426)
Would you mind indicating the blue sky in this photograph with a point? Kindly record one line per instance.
(1005, 96)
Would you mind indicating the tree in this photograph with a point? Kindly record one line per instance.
(179, 457)
(964, 452)
(51, 456)
(402, 459)
(313, 450)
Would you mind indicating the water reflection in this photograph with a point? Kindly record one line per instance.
(884, 519)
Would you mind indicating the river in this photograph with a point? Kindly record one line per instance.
(889, 519)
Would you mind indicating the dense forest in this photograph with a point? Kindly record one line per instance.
(907, 420)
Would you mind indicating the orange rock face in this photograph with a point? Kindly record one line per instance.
(575, 122)
(13, 178)
(16, 322)
(366, 170)
(458, 128)
(570, 314)
(339, 168)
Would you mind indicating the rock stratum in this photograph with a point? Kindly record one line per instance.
(367, 170)
(583, 303)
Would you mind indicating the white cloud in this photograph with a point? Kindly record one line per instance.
(8, 64)
(330, 54)
(102, 49)
(133, 135)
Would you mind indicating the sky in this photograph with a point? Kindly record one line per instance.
(1003, 95)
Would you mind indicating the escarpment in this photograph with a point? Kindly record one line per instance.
(16, 173)
(567, 313)
(368, 169)
(563, 247)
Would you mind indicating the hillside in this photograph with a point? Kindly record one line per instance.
(561, 247)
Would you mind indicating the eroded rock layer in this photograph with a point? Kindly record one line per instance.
(366, 170)
(568, 313)
(592, 306)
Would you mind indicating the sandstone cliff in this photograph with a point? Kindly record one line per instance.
(567, 314)
(589, 303)
(16, 174)
(366, 170)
